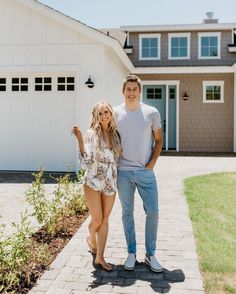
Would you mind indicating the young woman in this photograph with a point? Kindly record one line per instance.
(99, 152)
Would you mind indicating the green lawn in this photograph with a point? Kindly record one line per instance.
(212, 205)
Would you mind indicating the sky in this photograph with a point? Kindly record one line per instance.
(116, 13)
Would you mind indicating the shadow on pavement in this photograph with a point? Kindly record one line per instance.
(158, 282)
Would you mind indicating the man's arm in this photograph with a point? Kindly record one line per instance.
(157, 148)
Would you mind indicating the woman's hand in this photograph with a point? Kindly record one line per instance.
(76, 131)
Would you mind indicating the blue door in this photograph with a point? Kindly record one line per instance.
(163, 98)
(156, 96)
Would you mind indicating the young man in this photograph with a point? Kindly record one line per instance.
(138, 125)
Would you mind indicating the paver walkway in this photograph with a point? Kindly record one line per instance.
(73, 272)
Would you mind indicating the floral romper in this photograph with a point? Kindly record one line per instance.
(101, 173)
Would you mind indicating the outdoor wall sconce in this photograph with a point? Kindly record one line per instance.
(89, 83)
(185, 96)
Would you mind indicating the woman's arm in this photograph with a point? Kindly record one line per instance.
(79, 137)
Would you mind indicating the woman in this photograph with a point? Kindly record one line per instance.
(99, 152)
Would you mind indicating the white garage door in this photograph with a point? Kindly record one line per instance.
(36, 116)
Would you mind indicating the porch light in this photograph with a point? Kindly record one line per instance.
(89, 83)
(185, 96)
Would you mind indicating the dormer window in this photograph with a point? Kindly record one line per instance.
(179, 46)
(149, 46)
(209, 45)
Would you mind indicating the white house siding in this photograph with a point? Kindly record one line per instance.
(35, 127)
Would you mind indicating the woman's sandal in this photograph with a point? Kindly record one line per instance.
(105, 266)
(92, 250)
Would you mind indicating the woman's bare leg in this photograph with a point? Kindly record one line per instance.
(94, 204)
(107, 205)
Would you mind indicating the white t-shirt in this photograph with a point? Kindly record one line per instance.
(135, 128)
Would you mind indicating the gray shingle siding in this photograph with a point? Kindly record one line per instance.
(226, 58)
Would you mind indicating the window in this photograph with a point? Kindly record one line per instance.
(65, 83)
(154, 93)
(213, 91)
(149, 46)
(3, 85)
(19, 84)
(209, 45)
(179, 46)
(43, 84)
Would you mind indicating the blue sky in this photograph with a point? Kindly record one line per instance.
(115, 13)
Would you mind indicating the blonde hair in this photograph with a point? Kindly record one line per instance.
(112, 129)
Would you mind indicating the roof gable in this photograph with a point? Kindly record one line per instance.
(80, 27)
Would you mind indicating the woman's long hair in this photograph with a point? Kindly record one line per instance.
(112, 129)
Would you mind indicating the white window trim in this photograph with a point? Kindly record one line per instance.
(210, 34)
(213, 83)
(158, 36)
(179, 35)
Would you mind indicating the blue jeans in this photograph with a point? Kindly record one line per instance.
(145, 181)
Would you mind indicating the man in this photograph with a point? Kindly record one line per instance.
(138, 125)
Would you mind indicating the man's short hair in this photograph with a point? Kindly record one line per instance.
(132, 78)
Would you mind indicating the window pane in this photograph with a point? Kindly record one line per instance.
(174, 52)
(15, 80)
(38, 88)
(2, 88)
(183, 52)
(183, 42)
(209, 96)
(204, 51)
(145, 52)
(214, 51)
(24, 88)
(47, 80)
(153, 42)
(15, 88)
(70, 80)
(61, 80)
(217, 96)
(145, 42)
(61, 88)
(70, 87)
(174, 42)
(2, 81)
(205, 41)
(217, 89)
(47, 87)
(38, 80)
(153, 52)
(150, 90)
(213, 41)
(24, 80)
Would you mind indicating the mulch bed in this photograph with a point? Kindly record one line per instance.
(55, 244)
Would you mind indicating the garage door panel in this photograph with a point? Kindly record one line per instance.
(36, 130)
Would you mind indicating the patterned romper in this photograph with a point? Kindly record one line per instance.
(101, 173)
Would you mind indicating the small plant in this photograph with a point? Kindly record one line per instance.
(66, 199)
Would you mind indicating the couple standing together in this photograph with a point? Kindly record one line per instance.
(119, 151)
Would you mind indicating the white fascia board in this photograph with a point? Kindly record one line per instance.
(97, 35)
(180, 27)
(184, 70)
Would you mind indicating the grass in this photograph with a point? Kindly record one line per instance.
(212, 205)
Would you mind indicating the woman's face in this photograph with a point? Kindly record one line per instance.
(104, 116)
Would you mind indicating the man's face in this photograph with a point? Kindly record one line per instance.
(131, 92)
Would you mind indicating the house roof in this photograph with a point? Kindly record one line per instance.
(91, 32)
(179, 27)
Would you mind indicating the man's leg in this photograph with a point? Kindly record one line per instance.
(126, 189)
(147, 187)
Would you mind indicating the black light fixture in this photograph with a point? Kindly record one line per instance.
(185, 96)
(89, 83)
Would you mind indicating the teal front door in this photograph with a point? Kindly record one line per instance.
(163, 98)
